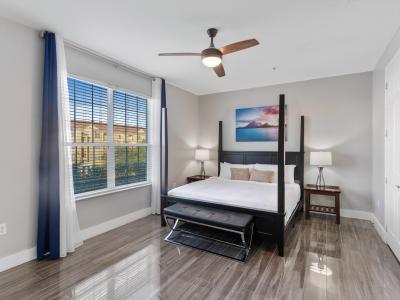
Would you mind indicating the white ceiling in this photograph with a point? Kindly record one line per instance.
(303, 39)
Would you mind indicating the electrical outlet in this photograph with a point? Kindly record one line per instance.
(3, 229)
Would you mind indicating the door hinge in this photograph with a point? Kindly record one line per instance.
(386, 85)
(386, 133)
(386, 180)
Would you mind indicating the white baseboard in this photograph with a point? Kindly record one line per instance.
(26, 255)
(394, 245)
(365, 215)
(30, 254)
(356, 214)
(16, 259)
(114, 223)
(379, 227)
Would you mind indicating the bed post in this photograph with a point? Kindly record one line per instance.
(219, 146)
(163, 152)
(301, 162)
(281, 178)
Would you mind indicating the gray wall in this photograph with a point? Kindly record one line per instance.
(93, 211)
(182, 108)
(338, 118)
(378, 129)
(92, 67)
(21, 72)
(182, 133)
(21, 61)
(96, 210)
(183, 112)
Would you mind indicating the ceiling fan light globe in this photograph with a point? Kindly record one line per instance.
(211, 61)
(211, 57)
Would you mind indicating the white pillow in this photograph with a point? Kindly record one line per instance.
(289, 171)
(225, 171)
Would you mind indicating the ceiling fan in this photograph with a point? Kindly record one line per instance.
(212, 57)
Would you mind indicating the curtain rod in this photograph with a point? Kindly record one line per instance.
(105, 58)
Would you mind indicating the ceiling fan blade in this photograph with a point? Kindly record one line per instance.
(180, 54)
(238, 46)
(219, 70)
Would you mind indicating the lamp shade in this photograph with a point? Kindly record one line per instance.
(202, 154)
(321, 158)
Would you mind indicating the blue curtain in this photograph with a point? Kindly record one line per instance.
(163, 95)
(164, 150)
(48, 238)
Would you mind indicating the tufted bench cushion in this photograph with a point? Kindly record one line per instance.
(211, 216)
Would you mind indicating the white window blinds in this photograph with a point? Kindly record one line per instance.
(109, 137)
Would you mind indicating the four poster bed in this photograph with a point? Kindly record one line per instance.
(273, 216)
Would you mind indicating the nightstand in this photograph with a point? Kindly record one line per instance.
(327, 190)
(196, 178)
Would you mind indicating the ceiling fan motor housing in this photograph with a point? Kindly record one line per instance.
(211, 52)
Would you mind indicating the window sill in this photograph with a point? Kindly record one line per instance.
(113, 190)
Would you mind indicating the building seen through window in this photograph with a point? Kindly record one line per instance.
(91, 145)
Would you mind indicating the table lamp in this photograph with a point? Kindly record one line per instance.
(202, 155)
(320, 159)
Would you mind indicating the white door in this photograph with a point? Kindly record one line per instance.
(392, 151)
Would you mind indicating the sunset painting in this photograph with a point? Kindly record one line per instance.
(258, 124)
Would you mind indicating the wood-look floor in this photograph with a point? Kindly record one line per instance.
(324, 261)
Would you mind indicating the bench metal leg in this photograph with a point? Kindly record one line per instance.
(251, 235)
(243, 240)
(172, 228)
(250, 241)
(246, 245)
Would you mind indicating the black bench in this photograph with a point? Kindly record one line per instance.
(223, 220)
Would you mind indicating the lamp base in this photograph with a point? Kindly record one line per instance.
(202, 171)
(320, 179)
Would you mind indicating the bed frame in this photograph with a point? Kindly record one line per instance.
(267, 223)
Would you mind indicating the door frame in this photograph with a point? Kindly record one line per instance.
(386, 171)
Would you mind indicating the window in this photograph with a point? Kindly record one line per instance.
(109, 137)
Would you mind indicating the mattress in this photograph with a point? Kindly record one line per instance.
(240, 193)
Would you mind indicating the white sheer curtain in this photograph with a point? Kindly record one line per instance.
(70, 236)
(155, 145)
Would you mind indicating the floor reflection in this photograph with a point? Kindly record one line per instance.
(322, 260)
(135, 277)
(320, 268)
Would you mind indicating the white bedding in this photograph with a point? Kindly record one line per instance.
(239, 193)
